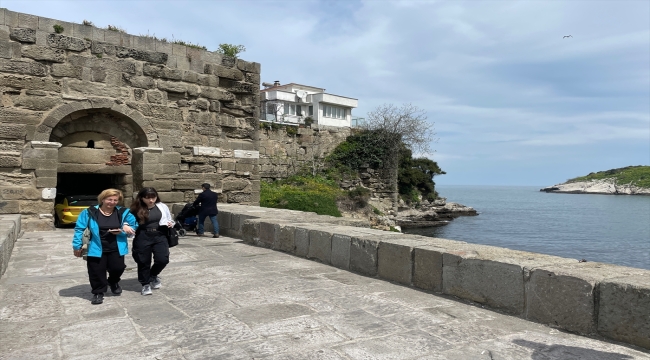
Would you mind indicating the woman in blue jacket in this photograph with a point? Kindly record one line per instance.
(109, 225)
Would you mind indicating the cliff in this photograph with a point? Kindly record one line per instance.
(631, 180)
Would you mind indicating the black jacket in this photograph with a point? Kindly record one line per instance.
(208, 203)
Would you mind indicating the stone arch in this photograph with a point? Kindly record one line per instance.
(143, 126)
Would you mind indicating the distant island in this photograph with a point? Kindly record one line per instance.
(631, 180)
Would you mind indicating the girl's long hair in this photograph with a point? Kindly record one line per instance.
(139, 208)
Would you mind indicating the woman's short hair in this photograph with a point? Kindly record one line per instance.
(110, 192)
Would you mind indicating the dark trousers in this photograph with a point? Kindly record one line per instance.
(146, 244)
(112, 262)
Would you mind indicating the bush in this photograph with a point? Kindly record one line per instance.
(304, 193)
(291, 130)
(415, 176)
(58, 28)
(230, 49)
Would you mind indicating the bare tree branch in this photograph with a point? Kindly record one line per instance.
(407, 124)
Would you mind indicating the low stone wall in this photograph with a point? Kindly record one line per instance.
(588, 298)
(10, 231)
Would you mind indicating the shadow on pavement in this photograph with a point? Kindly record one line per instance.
(546, 352)
(83, 291)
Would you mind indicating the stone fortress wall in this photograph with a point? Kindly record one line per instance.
(136, 110)
(283, 154)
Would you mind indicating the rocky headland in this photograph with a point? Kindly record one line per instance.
(435, 213)
(631, 180)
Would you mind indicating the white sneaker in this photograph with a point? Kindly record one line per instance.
(146, 290)
(155, 282)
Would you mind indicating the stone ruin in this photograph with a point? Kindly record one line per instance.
(88, 108)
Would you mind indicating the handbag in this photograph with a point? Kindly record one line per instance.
(172, 237)
(85, 240)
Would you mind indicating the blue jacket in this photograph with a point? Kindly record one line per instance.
(95, 246)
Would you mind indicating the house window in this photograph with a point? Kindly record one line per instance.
(289, 109)
(333, 112)
(299, 110)
(311, 110)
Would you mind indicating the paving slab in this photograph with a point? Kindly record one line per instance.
(225, 299)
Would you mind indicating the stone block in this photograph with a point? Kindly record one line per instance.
(249, 232)
(170, 158)
(247, 66)
(85, 156)
(171, 197)
(23, 67)
(565, 295)
(31, 164)
(44, 53)
(67, 70)
(170, 169)
(159, 185)
(247, 154)
(23, 35)
(301, 240)
(30, 83)
(60, 41)
(363, 255)
(9, 160)
(19, 193)
(267, 234)
(142, 55)
(234, 184)
(244, 167)
(395, 260)
(161, 71)
(320, 246)
(341, 251)
(284, 238)
(624, 308)
(36, 207)
(214, 93)
(206, 151)
(43, 182)
(142, 82)
(494, 283)
(427, 268)
(223, 217)
(9, 207)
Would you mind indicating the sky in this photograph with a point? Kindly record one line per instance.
(513, 102)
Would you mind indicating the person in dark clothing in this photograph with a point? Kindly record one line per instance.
(154, 220)
(109, 225)
(207, 205)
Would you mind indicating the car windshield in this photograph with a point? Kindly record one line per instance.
(82, 200)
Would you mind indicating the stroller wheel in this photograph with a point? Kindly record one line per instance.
(182, 232)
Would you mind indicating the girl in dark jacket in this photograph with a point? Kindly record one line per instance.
(109, 225)
(154, 220)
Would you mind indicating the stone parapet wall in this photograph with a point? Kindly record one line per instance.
(10, 231)
(586, 298)
(199, 107)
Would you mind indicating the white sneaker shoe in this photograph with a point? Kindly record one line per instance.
(155, 282)
(146, 290)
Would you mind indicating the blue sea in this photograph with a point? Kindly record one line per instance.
(612, 229)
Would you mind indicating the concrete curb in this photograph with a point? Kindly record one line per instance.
(587, 298)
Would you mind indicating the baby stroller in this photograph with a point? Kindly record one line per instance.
(186, 219)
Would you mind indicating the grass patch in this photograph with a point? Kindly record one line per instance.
(304, 193)
(635, 175)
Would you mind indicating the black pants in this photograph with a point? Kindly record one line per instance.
(112, 262)
(144, 245)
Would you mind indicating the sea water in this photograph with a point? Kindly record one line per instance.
(612, 229)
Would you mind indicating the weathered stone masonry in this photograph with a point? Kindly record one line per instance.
(181, 115)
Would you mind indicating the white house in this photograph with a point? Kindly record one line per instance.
(292, 103)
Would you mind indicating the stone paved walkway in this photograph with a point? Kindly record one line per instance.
(222, 299)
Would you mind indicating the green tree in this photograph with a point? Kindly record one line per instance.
(416, 174)
(230, 49)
